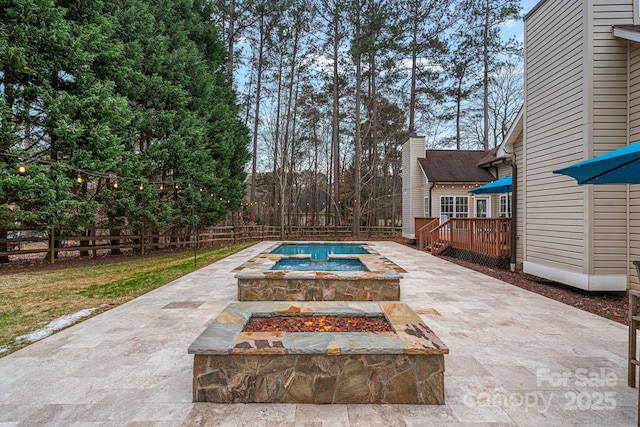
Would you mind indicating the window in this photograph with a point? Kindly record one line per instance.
(454, 207)
(505, 205)
(426, 206)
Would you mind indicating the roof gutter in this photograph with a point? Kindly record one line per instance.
(514, 210)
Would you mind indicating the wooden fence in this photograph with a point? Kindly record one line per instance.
(104, 241)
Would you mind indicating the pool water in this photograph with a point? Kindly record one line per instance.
(320, 251)
(335, 264)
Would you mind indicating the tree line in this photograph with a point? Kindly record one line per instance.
(331, 89)
(162, 114)
(117, 113)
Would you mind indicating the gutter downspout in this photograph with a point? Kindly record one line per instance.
(514, 210)
(430, 199)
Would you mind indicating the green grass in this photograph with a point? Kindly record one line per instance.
(32, 298)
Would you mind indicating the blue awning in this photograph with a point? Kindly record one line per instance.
(621, 166)
(502, 185)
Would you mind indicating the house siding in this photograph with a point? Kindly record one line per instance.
(609, 132)
(634, 136)
(451, 189)
(518, 152)
(554, 136)
(413, 184)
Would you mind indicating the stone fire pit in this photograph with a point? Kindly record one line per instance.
(404, 366)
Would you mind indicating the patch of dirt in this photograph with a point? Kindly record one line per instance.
(610, 305)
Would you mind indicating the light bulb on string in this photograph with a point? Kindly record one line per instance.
(21, 168)
(161, 187)
(141, 187)
(79, 179)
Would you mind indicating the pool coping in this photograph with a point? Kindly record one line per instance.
(378, 266)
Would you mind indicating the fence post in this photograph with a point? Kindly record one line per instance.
(142, 240)
(52, 245)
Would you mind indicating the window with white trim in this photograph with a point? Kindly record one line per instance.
(454, 206)
(505, 205)
(426, 206)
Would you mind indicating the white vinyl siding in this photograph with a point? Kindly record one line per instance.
(554, 135)
(609, 132)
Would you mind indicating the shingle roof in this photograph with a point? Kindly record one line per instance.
(455, 166)
(489, 156)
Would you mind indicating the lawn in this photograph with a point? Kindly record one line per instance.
(32, 298)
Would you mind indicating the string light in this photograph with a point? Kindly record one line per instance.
(84, 174)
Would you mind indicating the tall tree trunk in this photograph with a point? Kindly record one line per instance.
(458, 111)
(414, 70)
(335, 136)
(276, 147)
(256, 121)
(374, 146)
(290, 123)
(230, 36)
(485, 77)
(355, 226)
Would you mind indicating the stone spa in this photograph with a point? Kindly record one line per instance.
(292, 272)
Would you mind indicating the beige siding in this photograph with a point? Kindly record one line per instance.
(609, 203)
(554, 135)
(517, 150)
(453, 189)
(413, 184)
(634, 135)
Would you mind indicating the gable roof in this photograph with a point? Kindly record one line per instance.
(455, 166)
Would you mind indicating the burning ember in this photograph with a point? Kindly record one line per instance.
(318, 324)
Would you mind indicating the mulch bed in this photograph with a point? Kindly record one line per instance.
(610, 305)
(318, 324)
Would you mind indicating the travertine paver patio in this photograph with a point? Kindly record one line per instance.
(516, 358)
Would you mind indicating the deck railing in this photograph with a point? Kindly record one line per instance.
(424, 226)
(488, 236)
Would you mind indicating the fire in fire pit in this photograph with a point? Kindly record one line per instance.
(318, 324)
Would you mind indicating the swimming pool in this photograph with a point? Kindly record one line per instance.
(321, 251)
(286, 272)
(306, 264)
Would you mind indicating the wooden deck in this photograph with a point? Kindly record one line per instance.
(487, 236)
